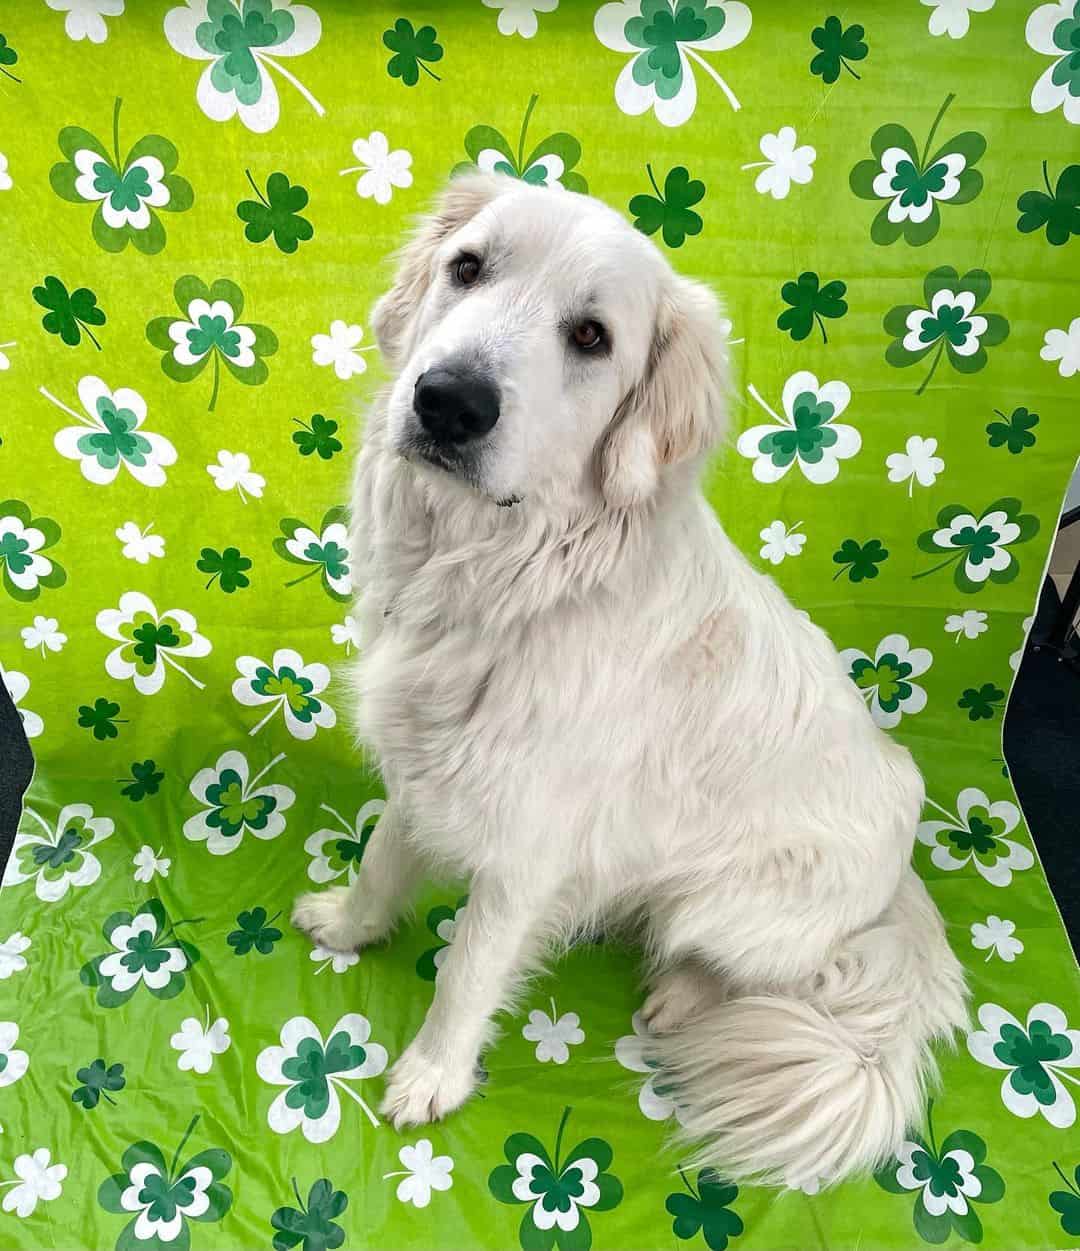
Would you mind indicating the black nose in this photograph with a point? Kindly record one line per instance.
(454, 405)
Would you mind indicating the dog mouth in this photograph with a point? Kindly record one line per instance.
(451, 460)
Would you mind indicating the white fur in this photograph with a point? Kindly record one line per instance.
(593, 707)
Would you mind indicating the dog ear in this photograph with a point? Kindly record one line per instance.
(677, 411)
(464, 197)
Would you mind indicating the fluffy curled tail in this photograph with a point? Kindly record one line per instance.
(821, 1082)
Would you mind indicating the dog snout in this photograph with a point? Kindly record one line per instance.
(455, 405)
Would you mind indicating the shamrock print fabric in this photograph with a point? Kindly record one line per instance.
(199, 201)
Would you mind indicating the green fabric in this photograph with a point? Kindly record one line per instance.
(197, 208)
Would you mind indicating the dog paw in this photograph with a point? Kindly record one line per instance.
(329, 919)
(420, 1090)
(676, 996)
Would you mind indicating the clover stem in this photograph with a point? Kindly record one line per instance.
(334, 813)
(945, 813)
(14, 80)
(295, 82)
(933, 366)
(991, 951)
(247, 175)
(910, 485)
(1057, 1169)
(299, 1201)
(524, 127)
(427, 71)
(821, 327)
(187, 1135)
(297, 419)
(180, 669)
(256, 729)
(930, 1125)
(211, 582)
(217, 380)
(554, 1014)
(933, 129)
(1046, 182)
(694, 56)
(558, 1137)
(659, 193)
(367, 1111)
(265, 770)
(686, 1183)
(842, 570)
(1068, 1077)
(89, 334)
(304, 576)
(86, 421)
(757, 396)
(927, 572)
(116, 133)
(105, 1096)
(1001, 414)
(849, 69)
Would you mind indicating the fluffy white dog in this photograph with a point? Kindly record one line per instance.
(585, 700)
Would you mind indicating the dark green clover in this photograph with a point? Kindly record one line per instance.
(101, 718)
(706, 1208)
(1058, 210)
(669, 210)
(1067, 1202)
(228, 566)
(69, 315)
(313, 1227)
(412, 50)
(837, 47)
(97, 1081)
(277, 213)
(151, 635)
(859, 561)
(318, 437)
(1013, 432)
(147, 780)
(255, 931)
(810, 302)
(8, 56)
(982, 703)
(1028, 1052)
(313, 1065)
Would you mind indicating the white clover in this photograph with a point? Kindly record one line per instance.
(423, 1172)
(533, 1179)
(967, 625)
(89, 186)
(191, 343)
(116, 968)
(346, 633)
(953, 17)
(138, 544)
(554, 1035)
(518, 17)
(148, 641)
(234, 470)
(45, 633)
(1063, 346)
(916, 463)
(807, 434)
(1052, 31)
(220, 31)
(654, 1099)
(11, 955)
(337, 852)
(148, 863)
(956, 310)
(18, 685)
(340, 349)
(288, 685)
(339, 961)
(885, 680)
(997, 935)
(380, 171)
(16, 1062)
(5, 185)
(976, 834)
(784, 163)
(903, 206)
(1018, 655)
(199, 1042)
(622, 26)
(995, 532)
(936, 1199)
(1033, 1055)
(86, 18)
(235, 803)
(57, 858)
(21, 559)
(5, 360)
(778, 542)
(37, 1179)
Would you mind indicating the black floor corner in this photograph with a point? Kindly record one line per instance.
(16, 768)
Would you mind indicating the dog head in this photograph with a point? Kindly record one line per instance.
(545, 351)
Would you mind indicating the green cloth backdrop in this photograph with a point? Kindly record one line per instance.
(198, 202)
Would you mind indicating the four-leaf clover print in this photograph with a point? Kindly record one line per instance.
(979, 548)
(1058, 209)
(1067, 1201)
(807, 434)
(560, 1192)
(242, 40)
(228, 568)
(414, 50)
(96, 1081)
(837, 46)
(665, 39)
(324, 552)
(145, 950)
(946, 323)
(289, 686)
(914, 184)
(810, 302)
(209, 328)
(101, 718)
(277, 213)
(235, 803)
(147, 777)
(161, 1198)
(670, 211)
(1032, 1055)
(8, 56)
(948, 1182)
(982, 702)
(255, 931)
(550, 163)
(57, 858)
(1014, 431)
(975, 834)
(311, 1226)
(129, 192)
(149, 641)
(24, 569)
(317, 438)
(859, 560)
(70, 314)
(885, 680)
(706, 1208)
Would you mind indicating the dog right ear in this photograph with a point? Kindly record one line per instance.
(464, 197)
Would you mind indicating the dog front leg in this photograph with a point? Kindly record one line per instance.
(498, 935)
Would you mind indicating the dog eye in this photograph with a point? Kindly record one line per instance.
(467, 269)
(588, 335)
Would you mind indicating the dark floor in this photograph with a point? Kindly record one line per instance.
(1042, 748)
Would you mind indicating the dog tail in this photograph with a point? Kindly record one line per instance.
(819, 1084)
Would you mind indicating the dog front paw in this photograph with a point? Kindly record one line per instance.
(420, 1090)
(332, 922)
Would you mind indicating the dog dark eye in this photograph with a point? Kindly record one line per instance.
(467, 269)
(588, 335)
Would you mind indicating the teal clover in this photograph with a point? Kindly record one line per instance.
(659, 30)
(145, 950)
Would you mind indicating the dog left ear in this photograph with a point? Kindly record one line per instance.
(678, 410)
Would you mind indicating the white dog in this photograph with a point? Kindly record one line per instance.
(585, 700)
